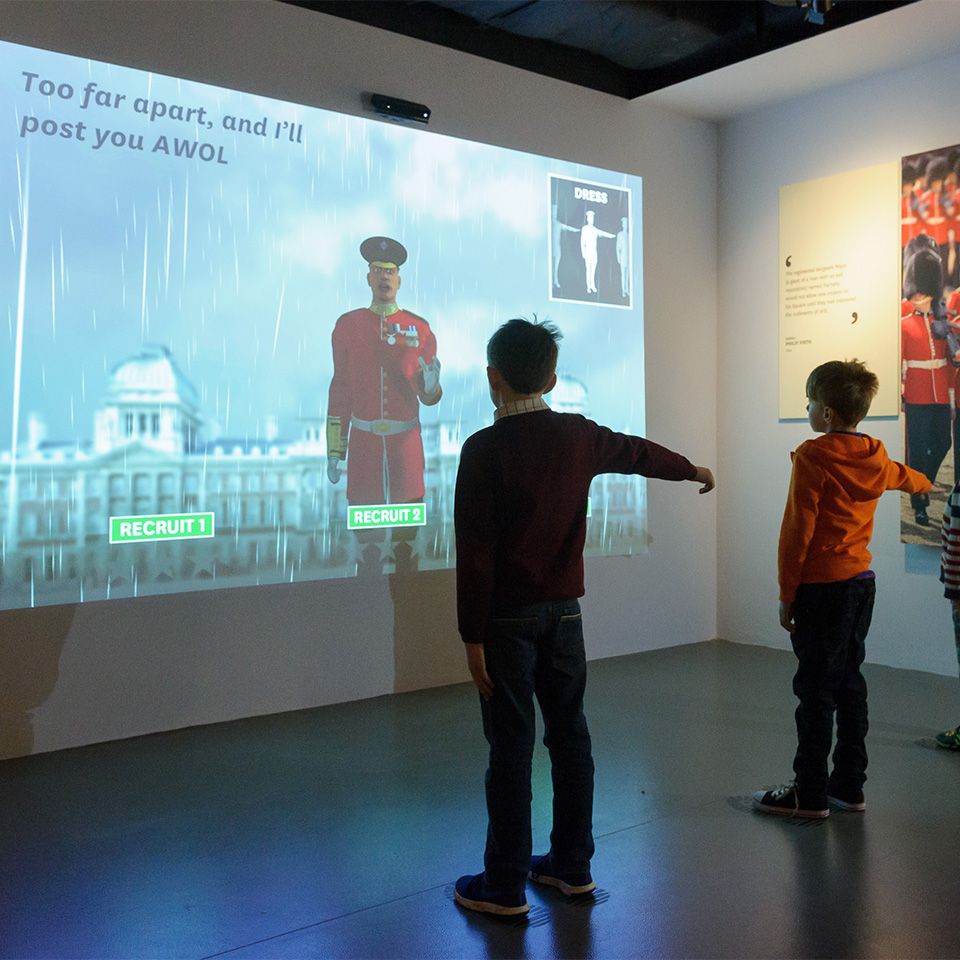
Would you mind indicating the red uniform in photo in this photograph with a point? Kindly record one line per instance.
(934, 216)
(910, 225)
(926, 374)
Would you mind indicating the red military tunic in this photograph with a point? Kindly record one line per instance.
(925, 372)
(374, 397)
(953, 308)
(910, 226)
(951, 207)
(933, 216)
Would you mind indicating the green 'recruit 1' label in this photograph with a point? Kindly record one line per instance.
(171, 526)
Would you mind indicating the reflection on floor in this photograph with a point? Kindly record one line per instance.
(338, 832)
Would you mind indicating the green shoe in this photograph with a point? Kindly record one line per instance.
(949, 740)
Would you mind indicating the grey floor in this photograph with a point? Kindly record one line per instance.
(338, 832)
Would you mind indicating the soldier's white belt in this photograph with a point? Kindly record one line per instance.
(926, 364)
(385, 428)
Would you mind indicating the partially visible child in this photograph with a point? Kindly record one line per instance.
(950, 575)
(827, 588)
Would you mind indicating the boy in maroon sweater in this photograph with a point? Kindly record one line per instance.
(521, 522)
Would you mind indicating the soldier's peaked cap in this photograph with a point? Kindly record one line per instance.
(383, 249)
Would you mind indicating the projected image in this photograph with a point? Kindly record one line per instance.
(245, 339)
(590, 242)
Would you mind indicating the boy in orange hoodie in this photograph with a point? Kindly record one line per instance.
(827, 588)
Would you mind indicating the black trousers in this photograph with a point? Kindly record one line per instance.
(831, 621)
(928, 441)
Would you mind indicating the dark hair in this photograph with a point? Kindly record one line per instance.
(845, 385)
(525, 353)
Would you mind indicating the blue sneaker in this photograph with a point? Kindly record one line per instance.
(950, 739)
(470, 893)
(541, 871)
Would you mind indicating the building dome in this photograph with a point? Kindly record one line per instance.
(568, 396)
(151, 376)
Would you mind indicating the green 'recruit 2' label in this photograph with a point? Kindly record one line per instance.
(386, 515)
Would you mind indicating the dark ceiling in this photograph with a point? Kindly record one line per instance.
(623, 47)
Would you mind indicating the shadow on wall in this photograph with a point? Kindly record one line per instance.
(31, 641)
(427, 650)
(234, 672)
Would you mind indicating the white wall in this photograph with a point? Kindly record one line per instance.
(73, 675)
(858, 125)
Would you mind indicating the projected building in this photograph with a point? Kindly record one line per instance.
(277, 516)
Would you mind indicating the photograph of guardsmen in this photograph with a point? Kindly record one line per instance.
(929, 333)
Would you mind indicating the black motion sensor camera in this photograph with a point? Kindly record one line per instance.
(397, 109)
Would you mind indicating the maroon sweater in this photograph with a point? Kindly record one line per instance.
(521, 507)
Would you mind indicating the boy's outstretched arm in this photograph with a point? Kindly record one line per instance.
(705, 476)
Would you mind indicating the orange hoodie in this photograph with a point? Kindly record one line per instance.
(827, 524)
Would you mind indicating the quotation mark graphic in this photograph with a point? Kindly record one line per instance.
(854, 315)
(789, 259)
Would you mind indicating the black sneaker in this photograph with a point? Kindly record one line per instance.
(541, 871)
(846, 799)
(844, 796)
(785, 802)
(470, 893)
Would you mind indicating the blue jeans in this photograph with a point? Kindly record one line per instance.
(536, 650)
(831, 620)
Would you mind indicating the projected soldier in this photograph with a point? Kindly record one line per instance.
(384, 366)
(588, 248)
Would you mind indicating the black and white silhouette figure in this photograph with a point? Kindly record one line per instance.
(589, 234)
(591, 249)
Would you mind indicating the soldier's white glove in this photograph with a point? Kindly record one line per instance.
(430, 374)
(333, 469)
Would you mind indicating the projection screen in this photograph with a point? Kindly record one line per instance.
(187, 399)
